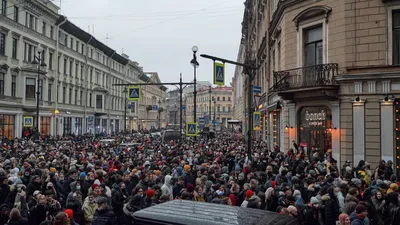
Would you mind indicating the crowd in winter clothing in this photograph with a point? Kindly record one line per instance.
(79, 180)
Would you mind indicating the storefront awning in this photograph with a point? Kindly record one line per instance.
(274, 106)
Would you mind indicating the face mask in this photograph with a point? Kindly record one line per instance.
(78, 188)
(26, 174)
(98, 192)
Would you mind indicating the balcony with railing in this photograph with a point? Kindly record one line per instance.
(307, 81)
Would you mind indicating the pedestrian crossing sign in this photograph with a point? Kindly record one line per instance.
(191, 129)
(134, 93)
(219, 74)
(28, 121)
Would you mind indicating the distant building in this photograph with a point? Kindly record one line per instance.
(214, 105)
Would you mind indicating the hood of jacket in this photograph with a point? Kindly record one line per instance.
(167, 180)
(14, 172)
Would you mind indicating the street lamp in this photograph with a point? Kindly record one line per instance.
(215, 103)
(159, 113)
(37, 60)
(195, 64)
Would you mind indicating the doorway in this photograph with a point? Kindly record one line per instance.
(315, 132)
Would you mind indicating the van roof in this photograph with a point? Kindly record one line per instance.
(199, 213)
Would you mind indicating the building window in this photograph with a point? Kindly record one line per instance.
(66, 40)
(67, 125)
(82, 72)
(99, 101)
(2, 44)
(276, 140)
(70, 96)
(77, 46)
(76, 97)
(81, 95)
(14, 48)
(91, 53)
(30, 88)
(2, 75)
(223, 98)
(91, 76)
(64, 94)
(223, 108)
(31, 21)
(97, 78)
(313, 46)
(76, 69)
(45, 125)
(82, 48)
(41, 89)
(90, 100)
(13, 86)
(65, 66)
(16, 14)
(58, 63)
(4, 7)
(29, 52)
(51, 32)
(50, 60)
(70, 68)
(217, 98)
(49, 92)
(72, 43)
(44, 28)
(396, 37)
(7, 124)
(229, 109)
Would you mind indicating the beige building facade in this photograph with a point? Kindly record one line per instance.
(213, 103)
(332, 75)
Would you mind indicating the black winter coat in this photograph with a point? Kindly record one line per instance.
(104, 217)
(331, 212)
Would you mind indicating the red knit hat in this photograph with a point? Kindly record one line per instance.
(69, 213)
(150, 193)
(249, 193)
(94, 186)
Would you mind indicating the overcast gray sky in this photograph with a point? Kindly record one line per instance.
(159, 34)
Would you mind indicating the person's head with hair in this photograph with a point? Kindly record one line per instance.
(15, 214)
(292, 211)
(344, 219)
(61, 219)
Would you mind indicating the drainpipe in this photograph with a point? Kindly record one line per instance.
(110, 108)
(87, 87)
(57, 72)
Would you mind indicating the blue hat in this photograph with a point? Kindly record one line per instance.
(82, 175)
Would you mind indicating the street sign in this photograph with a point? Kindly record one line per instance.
(134, 93)
(183, 107)
(256, 90)
(28, 121)
(257, 120)
(219, 74)
(129, 105)
(202, 121)
(155, 107)
(191, 129)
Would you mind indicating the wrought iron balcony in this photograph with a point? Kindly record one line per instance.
(317, 76)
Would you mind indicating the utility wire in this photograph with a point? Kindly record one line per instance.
(165, 14)
(176, 18)
(170, 16)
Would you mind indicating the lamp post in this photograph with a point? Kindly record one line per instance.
(195, 64)
(125, 91)
(209, 105)
(215, 104)
(159, 113)
(38, 60)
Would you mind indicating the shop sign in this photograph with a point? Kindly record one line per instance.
(314, 118)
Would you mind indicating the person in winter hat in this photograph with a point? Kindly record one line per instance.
(104, 215)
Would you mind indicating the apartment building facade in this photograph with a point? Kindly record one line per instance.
(75, 88)
(213, 103)
(333, 80)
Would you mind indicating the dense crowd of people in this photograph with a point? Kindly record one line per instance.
(80, 180)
